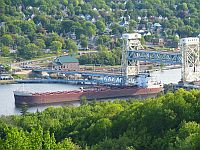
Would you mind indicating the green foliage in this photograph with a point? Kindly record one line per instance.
(84, 101)
(84, 41)
(7, 67)
(5, 51)
(100, 26)
(20, 76)
(103, 57)
(5, 60)
(7, 39)
(40, 43)
(37, 22)
(71, 46)
(170, 121)
(13, 138)
(142, 41)
(24, 109)
(29, 51)
(56, 47)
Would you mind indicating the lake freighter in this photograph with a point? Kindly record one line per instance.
(144, 88)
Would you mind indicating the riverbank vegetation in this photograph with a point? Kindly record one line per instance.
(167, 122)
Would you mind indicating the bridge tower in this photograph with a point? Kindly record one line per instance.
(190, 59)
(130, 68)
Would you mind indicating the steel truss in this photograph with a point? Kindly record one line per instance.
(155, 57)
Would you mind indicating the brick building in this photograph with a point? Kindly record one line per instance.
(65, 62)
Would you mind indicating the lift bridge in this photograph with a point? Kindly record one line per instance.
(133, 52)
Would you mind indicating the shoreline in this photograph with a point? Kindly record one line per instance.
(73, 82)
(2, 82)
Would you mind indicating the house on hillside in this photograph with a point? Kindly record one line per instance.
(158, 41)
(2, 68)
(65, 63)
(171, 43)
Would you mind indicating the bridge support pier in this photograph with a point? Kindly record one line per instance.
(129, 68)
(190, 59)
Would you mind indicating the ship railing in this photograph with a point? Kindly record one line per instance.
(36, 94)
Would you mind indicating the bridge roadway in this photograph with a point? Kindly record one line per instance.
(116, 79)
(100, 78)
(155, 57)
(85, 73)
(96, 82)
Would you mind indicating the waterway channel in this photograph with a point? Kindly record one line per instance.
(7, 102)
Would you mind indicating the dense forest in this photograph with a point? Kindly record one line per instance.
(169, 121)
(33, 27)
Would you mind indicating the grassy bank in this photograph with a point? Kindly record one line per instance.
(5, 60)
(20, 76)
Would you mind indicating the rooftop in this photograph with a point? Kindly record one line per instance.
(66, 59)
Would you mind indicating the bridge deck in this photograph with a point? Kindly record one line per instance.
(155, 57)
(100, 78)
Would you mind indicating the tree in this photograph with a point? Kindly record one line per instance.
(89, 28)
(56, 47)
(7, 39)
(142, 41)
(29, 51)
(184, 6)
(65, 2)
(132, 25)
(84, 41)
(49, 142)
(21, 41)
(129, 5)
(101, 26)
(5, 51)
(14, 138)
(24, 109)
(103, 39)
(84, 100)
(99, 130)
(53, 37)
(40, 43)
(118, 30)
(188, 136)
(2, 7)
(36, 138)
(28, 27)
(67, 144)
(71, 46)
(7, 67)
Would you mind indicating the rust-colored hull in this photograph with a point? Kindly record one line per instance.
(55, 97)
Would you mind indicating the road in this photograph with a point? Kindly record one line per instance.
(32, 63)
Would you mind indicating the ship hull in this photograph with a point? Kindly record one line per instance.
(57, 97)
